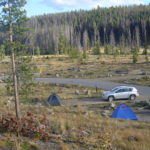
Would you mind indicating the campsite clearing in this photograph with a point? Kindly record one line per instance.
(83, 121)
(93, 67)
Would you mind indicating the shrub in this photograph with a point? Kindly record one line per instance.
(28, 126)
(96, 49)
(135, 54)
(74, 53)
(108, 49)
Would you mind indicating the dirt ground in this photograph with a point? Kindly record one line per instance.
(142, 113)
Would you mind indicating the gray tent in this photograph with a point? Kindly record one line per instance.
(54, 100)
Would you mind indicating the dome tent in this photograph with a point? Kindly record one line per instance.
(54, 100)
(124, 112)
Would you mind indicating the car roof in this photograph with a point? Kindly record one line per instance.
(124, 87)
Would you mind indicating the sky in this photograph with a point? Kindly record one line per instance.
(40, 7)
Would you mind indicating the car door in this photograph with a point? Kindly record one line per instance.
(122, 93)
(126, 93)
(119, 94)
(129, 92)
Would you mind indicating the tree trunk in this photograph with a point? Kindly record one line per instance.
(14, 70)
(15, 86)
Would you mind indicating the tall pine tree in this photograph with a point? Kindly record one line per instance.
(12, 20)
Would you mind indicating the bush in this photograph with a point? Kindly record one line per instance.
(96, 49)
(84, 55)
(146, 78)
(74, 53)
(108, 49)
(27, 126)
(135, 54)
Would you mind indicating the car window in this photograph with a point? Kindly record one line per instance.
(123, 90)
(114, 89)
(130, 89)
(126, 90)
(120, 91)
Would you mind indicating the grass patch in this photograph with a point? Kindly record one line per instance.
(92, 67)
(144, 81)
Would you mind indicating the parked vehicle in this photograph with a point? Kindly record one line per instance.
(121, 92)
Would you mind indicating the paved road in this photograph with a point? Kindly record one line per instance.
(101, 84)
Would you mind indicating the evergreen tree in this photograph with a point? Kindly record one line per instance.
(107, 49)
(135, 54)
(38, 51)
(62, 44)
(74, 52)
(96, 49)
(25, 72)
(126, 26)
(145, 52)
(12, 20)
(115, 53)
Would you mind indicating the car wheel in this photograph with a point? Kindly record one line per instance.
(111, 98)
(132, 97)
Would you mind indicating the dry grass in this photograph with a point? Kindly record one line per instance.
(90, 131)
(92, 67)
(5, 66)
(144, 80)
(80, 127)
(66, 92)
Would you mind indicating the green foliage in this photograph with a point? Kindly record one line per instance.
(10, 145)
(25, 146)
(12, 13)
(108, 49)
(96, 49)
(13, 20)
(83, 28)
(28, 146)
(135, 53)
(84, 55)
(2, 52)
(145, 52)
(62, 44)
(37, 51)
(25, 72)
(115, 53)
(74, 52)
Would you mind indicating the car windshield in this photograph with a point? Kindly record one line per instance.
(114, 89)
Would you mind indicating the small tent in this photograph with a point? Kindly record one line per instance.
(54, 100)
(124, 112)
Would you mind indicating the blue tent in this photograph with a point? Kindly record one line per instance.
(124, 112)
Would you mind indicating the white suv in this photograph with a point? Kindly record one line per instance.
(121, 92)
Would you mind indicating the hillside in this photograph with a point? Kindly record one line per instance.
(111, 27)
(115, 26)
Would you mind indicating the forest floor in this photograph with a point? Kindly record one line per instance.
(79, 124)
